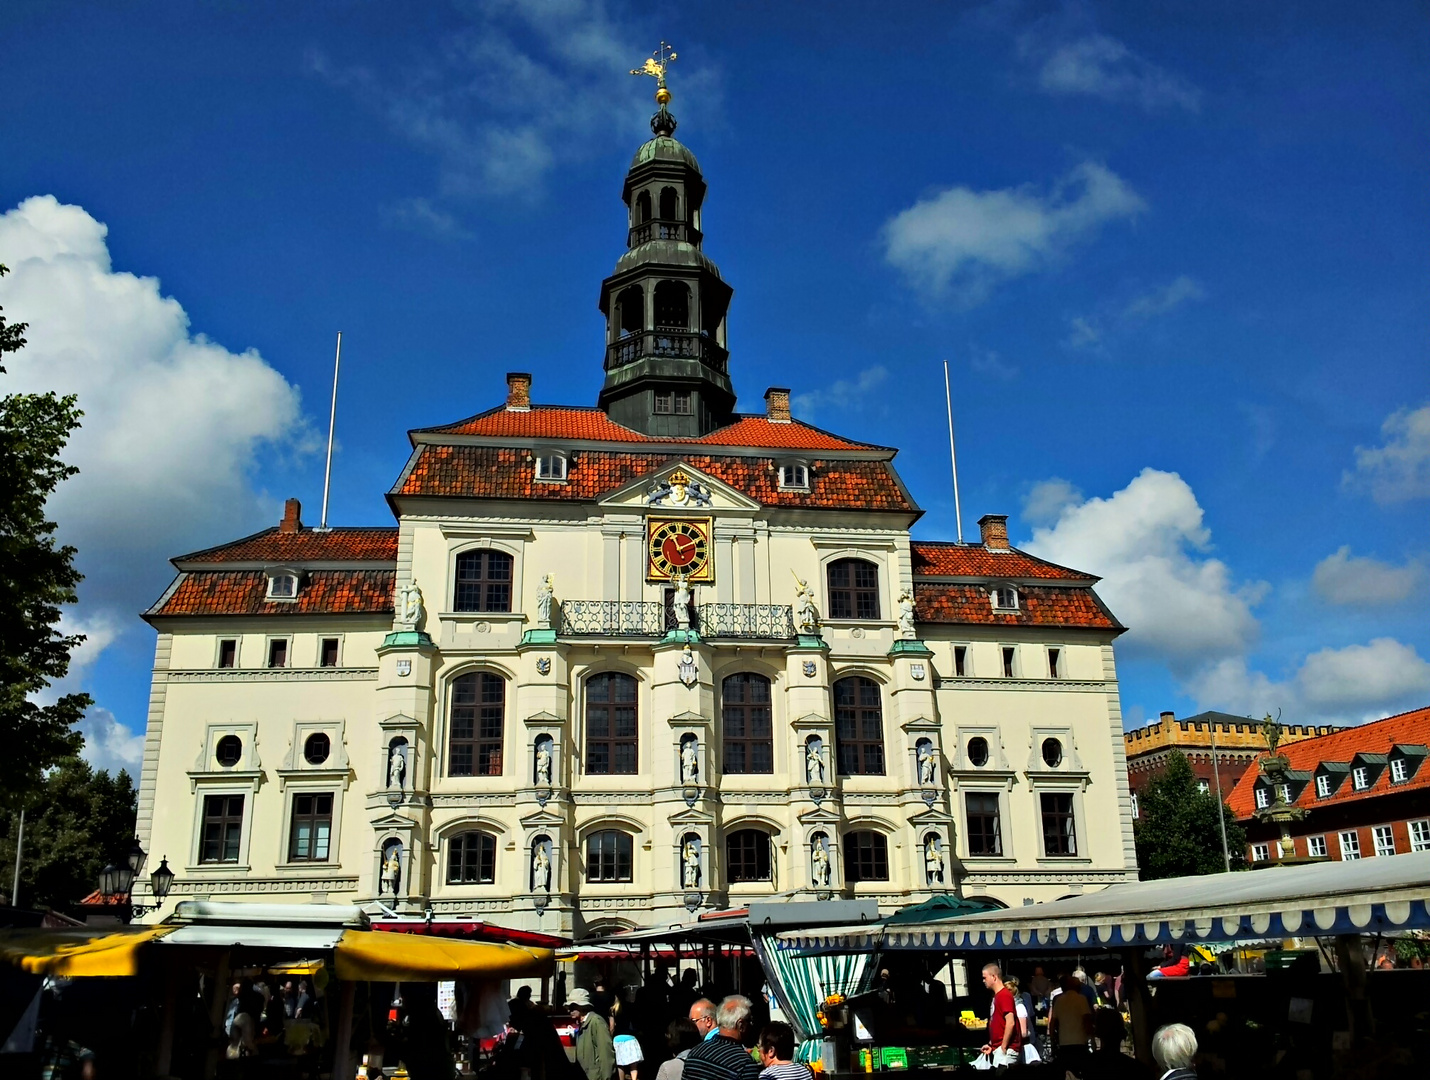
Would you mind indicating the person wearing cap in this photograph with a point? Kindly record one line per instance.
(595, 1050)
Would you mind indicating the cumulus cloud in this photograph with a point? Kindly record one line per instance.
(108, 744)
(842, 394)
(1359, 581)
(1097, 65)
(1148, 543)
(967, 241)
(1399, 470)
(1047, 499)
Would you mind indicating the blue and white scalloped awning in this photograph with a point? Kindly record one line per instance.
(1375, 895)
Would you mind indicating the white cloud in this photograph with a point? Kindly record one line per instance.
(841, 394)
(1358, 581)
(108, 744)
(968, 241)
(1047, 499)
(1147, 542)
(1092, 332)
(421, 215)
(1159, 301)
(1101, 66)
(1399, 470)
(987, 362)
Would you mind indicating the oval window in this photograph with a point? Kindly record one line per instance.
(229, 751)
(1052, 753)
(315, 750)
(978, 751)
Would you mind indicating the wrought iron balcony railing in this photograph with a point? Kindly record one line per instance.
(746, 621)
(652, 619)
(683, 344)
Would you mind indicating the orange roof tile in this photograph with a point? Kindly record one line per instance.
(1377, 737)
(943, 559)
(498, 472)
(1039, 605)
(243, 592)
(591, 424)
(375, 544)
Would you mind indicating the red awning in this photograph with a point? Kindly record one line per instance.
(471, 930)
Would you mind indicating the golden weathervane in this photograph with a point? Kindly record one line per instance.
(655, 66)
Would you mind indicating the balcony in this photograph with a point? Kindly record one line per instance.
(662, 230)
(653, 619)
(663, 341)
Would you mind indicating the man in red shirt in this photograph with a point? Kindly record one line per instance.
(1004, 1041)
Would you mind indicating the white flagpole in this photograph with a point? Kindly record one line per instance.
(332, 422)
(952, 455)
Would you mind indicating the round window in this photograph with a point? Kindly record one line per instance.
(978, 751)
(315, 750)
(1052, 753)
(229, 751)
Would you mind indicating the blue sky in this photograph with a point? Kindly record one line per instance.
(1174, 254)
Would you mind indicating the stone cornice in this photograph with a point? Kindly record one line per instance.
(228, 675)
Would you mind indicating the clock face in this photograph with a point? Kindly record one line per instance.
(679, 546)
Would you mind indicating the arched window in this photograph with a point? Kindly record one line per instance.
(859, 727)
(478, 712)
(748, 731)
(472, 859)
(630, 310)
(866, 857)
(611, 724)
(608, 856)
(672, 305)
(483, 581)
(669, 204)
(642, 207)
(853, 589)
(747, 855)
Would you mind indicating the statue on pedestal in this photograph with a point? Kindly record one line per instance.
(906, 616)
(391, 870)
(806, 615)
(814, 761)
(396, 767)
(689, 763)
(540, 868)
(933, 859)
(410, 612)
(819, 863)
(690, 877)
(544, 594)
(928, 766)
(543, 764)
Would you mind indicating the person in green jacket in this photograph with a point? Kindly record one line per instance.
(595, 1050)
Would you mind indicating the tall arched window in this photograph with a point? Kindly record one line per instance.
(747, 727)
(642, 207)
(611, 735)
(483, 581)
(859, 727)
(853, 589)
(472, 859)
(747, 855)
(669, 204)
(672, 305)
(478, 712)
(630, 310)
(866, 857)
(608, 855)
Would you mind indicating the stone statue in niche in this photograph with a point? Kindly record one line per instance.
(543, 763)
(391, 877)
(680, 602)
(410, 611)
(814, 761)
(396, 766)
(819, 862)
(806, 615)
(540, 868)
(928, 766)
(933, 859)
(906, 616)
(686, 668)
(689, 761)
(544, 594)
(690, 875)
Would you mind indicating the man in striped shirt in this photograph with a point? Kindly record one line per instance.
(724, 1057)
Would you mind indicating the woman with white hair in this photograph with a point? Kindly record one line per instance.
(1174, 1047)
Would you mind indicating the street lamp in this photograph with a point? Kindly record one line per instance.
(160, 881)
(116, 881)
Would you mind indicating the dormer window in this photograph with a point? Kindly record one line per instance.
(1262, 799)
(551, 465)
(1360, 777)
(1283, 792)
(1005, 598)
(794, 477)
(1323, 786)
(674, 403)
(1399, 770)
(282, 585)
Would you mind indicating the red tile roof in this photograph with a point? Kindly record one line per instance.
(1377, 737)
(942, 559)
(375, 544)
(1038, 605)
(243, 592)
(586, 423)
(498, 472)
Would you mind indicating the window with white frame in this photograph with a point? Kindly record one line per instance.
(283, 586)
(1055, 663)
(794, 477)
(1010, 661)
(1316, 847)
(1420, 835)
(550, 465)
(1005, 598)
(1399, 770)
(1260, 852)
(1204, 786)
(1360, 777)
(1350, 844)
(1262, 801)
(1323, 786)
(1384, 837)
(1135, 811)
(1283, 792)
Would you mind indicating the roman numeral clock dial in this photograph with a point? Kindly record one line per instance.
(679, 546)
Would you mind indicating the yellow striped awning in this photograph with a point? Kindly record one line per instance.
(373, 956)
(82, 951)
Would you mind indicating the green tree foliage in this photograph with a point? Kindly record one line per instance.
(78, 822)
(37, 576)
(1177, 832)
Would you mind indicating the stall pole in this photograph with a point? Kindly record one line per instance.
(216, 1011)
(164, 1059)
(1350, 958)
(1134, 985)
(342, 1047)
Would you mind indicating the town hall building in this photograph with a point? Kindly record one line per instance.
(615, 665)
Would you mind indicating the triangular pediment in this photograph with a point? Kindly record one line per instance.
(819, 816)
(703, 495)
(690, 817)
(920, 723)
(931, 817)
(542, 819)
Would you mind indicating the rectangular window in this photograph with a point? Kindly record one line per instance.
(278, 652)
(1204, 786)
(312, 827)
(228, 653)
(1384, 837)
(608, 856)
(1420, 835)
(1009, 655)
(1054, 657)
(1323, 786)
(1260, 852)
(984, 834)
(960, 660)
(664, 402)
(1262, 799)
(684, 404)
(1316, 847)
(551, 467)
(328, 652)
(853, 589)
(472, 859)
(1283, 792)
(1350, 844)
(1059, 831)
(223, 828)
(478, 713)
(748, 856)
(866, 857)
(794, 476)
(1135, 812)
(1398, 771)
(1360, 777)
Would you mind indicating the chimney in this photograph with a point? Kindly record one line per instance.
(777, 405)
(292, 522)
(994, 528)
(518, 391)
